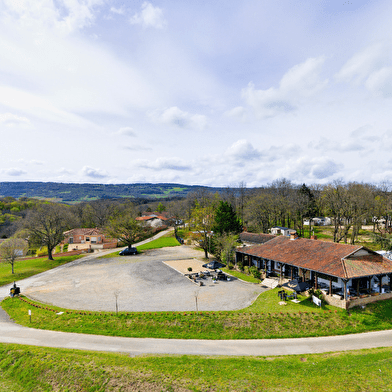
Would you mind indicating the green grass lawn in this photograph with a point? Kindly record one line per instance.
(161, 242)
(25, 268)
(28, 368)
(240, 275)
(265, 318)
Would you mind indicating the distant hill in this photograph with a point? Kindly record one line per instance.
(73, 193)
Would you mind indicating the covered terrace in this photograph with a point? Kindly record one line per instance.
(348, 275)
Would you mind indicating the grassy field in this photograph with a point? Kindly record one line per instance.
(25, 268)
(265, 318)
(27, 368)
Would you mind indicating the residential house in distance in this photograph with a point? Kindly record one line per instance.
(347, 275)
(277, 230)
(90, 239)
(155, 219)
(319, 221)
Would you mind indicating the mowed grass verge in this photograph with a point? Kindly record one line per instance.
(26, 268)
(161, 242)
(28, 368)
(265, 318)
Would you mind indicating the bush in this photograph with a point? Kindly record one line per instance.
(240, 266)
(190, 269)
(42, 251)
(317, 293)
(230, 266)
(255, 272)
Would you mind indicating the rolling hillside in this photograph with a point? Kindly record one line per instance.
(71, 193)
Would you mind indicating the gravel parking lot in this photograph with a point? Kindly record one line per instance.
(141, 283)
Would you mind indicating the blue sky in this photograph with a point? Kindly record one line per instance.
(196, 92)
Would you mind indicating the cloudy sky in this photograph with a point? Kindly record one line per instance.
(195, 92)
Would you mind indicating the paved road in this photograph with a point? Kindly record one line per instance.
(13, 333)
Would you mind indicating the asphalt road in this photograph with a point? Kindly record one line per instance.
(12, 333)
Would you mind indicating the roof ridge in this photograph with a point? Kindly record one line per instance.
(344, 267)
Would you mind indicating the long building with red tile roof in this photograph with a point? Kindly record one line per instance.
(339, 264)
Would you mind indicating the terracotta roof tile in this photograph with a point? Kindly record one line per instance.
(84, 231)
(367, 265)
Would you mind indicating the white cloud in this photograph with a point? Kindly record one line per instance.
(181, 119)
(149, 16)
(242, 149)
(94, 173)
(165, 163)
(238, 112)
(118, 11)
(126, 131)
(65, 15)
(309, 169)
(299, 83)
(330, 146)
(10, 120)
(380, 82)
(363, 63)
(372, 67)
(14, 172)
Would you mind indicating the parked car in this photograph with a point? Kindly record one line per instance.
(128, 251)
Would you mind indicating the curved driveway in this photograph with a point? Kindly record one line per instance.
(13, 333)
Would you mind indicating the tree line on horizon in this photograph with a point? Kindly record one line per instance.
(225, 213)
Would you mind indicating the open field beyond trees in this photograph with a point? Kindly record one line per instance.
(27, 368)
(265, 318)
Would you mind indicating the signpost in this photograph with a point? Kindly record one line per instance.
(30, 314)
(316, 301)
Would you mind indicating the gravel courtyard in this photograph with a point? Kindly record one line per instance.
(141, 283)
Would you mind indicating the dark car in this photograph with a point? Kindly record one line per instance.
(128, 251)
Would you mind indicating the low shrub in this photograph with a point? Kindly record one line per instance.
(43, 251)
(255, 272)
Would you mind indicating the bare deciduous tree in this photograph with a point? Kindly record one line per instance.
(11, 249)
(47, 223)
